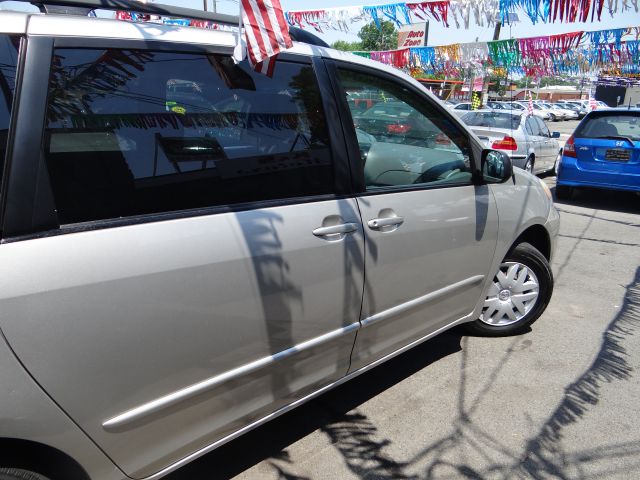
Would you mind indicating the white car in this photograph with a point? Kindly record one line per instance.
(564, 113)
(539, 111)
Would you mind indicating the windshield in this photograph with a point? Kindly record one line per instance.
(619, 125)
(492, 120)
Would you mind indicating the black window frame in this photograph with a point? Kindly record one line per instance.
(351, 141)
(4, 162)
(30, 206)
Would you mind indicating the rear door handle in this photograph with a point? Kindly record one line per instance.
(343, 228)
(377, 223)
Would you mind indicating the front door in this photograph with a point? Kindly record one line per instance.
(430, 233)
(205, 273)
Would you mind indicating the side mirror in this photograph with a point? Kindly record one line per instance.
(496, 166)
(555, 135)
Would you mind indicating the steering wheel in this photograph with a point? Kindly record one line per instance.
(451, 174)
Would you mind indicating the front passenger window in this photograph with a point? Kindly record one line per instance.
(403, 139)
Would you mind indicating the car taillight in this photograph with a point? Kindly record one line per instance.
(507, 143)
(569, 149)
(398, 128)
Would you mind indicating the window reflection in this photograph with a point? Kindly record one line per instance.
(132, 132)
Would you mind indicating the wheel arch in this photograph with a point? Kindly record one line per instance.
(537, 236)
(40, 458)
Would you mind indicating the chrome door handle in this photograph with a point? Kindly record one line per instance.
(384, 222)
(336, 229)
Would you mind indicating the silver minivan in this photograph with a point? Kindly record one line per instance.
(190, 248)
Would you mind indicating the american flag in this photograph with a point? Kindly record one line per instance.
(266, 33)
(530, 103)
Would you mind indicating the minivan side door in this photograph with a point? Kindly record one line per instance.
(430, 233)
(207, 266)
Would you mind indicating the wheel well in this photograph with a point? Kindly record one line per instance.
(537, 236)
(39, 458)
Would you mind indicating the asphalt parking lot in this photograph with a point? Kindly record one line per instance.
(560, 401)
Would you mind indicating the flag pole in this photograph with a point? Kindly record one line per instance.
(238, 53)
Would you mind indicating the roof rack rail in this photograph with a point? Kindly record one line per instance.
(83, 7)
(133, 6)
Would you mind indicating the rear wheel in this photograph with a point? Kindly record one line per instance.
(528, 165)
(518, 295)
(18, 474)
(563, 192)
(552, 117)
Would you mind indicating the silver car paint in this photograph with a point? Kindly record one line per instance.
(113, 320)
(52, 287)
(442, 227)
(26, 412)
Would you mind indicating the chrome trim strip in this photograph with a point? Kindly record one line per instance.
(429, 297)
(311, 396)
(198, 388)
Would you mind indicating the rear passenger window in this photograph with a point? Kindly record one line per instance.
(133, 132)
(8, 62)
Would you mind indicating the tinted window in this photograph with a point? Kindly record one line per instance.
(8, 62)
(544, 131)
(532, 126)
(616, 125)
(136, 132)
(492, 120)
(403, 139)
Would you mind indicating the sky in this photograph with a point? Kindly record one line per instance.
(438, 34)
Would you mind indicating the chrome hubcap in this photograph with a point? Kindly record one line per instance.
(512, 295)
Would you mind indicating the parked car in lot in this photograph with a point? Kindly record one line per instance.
(538, 111)
(563, 113)
(576, 107)
(525, 138)
(461, 107)
(603, 152)
(181, 267)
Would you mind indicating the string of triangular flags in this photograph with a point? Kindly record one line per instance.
(458, 12)
(567, 53)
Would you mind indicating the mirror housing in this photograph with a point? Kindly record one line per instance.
(555, 135)
(496, 166)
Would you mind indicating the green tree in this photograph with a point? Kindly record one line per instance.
(384, 38)
(346, 46)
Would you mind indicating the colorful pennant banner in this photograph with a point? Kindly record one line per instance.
(485, 12)
(533, 57)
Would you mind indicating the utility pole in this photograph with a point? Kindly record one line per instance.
(485, 85)
(205, 5)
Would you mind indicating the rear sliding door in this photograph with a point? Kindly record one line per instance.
(204, 271)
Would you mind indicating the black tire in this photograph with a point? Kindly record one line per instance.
(552, 117)
(528, 256)
(564, 192)
(529, 164)
(18, 474)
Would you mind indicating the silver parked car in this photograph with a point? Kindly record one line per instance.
(525, 138)
(190, 248)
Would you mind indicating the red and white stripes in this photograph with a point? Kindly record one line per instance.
(266, 31)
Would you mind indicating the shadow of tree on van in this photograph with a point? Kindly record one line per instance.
(366, 455)
(329, 412)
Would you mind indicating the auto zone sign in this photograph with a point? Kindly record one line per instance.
(413, 35)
